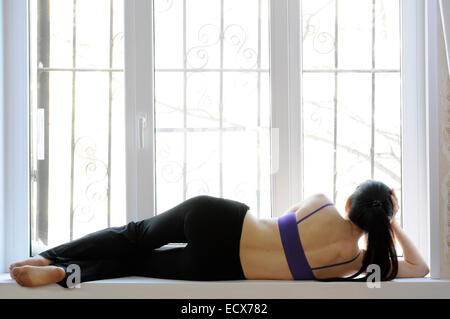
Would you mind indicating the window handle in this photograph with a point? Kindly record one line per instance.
(142, 126)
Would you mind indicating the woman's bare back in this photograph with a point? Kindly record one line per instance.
(327, 238)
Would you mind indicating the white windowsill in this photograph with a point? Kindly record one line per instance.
(153, 288)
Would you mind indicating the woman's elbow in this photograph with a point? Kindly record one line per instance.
(423, 270)
(426, 271)
(408, 270)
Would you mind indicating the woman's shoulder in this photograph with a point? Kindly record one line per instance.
(319, 198)
(253, 222)
(315, 202)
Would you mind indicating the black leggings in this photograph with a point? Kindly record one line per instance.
(210, 226)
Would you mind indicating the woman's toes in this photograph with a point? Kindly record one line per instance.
(21, 276)
(37, 260)
(15, 272)
(12, 266)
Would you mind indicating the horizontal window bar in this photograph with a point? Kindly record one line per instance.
(209, 129)
(77, 70)
(353, 71)
(44, 69)
(212, 70)
(220, 70)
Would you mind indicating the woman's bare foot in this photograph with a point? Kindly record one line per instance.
(32, 276)
(37, 260)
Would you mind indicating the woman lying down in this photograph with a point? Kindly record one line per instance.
(225, 241)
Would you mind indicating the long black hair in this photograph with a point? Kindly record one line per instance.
(371, 209)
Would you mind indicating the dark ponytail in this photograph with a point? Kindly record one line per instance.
(371, 210)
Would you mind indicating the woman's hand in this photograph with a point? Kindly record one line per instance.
(395, 205)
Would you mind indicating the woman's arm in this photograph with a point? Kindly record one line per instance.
(413, 264)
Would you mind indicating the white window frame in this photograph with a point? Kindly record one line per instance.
(414, 126)
(139, 109)
(431, 203)
(2, 154)
(420, 136)
(15, 172)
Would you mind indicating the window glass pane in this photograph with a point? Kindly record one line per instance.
(318, 133)
(168, 104)
(61, 31)
(387, 34)
(168, 17)
(241, 38)
(388, 149)
(92, 41)
(169, 168)
(212, 110)
(203, 173)
(354, 40)
(319, 33)
(76, 119)
(239, 89)
(203, 30)
(60, 134)
(351, 97)
(353, 134)
(203, 99)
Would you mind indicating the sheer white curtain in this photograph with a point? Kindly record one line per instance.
(445, 14)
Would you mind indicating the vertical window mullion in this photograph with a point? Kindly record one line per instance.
(72, 151)
(42, 173)
(221, 99)
(139, 99)
(258, 120)
(279, 105)
(335, 100)
(285, 101)
(111, 52)
(185, 78)
(294, 106)
(372, 133)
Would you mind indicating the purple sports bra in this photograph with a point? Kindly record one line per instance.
(293, 249)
